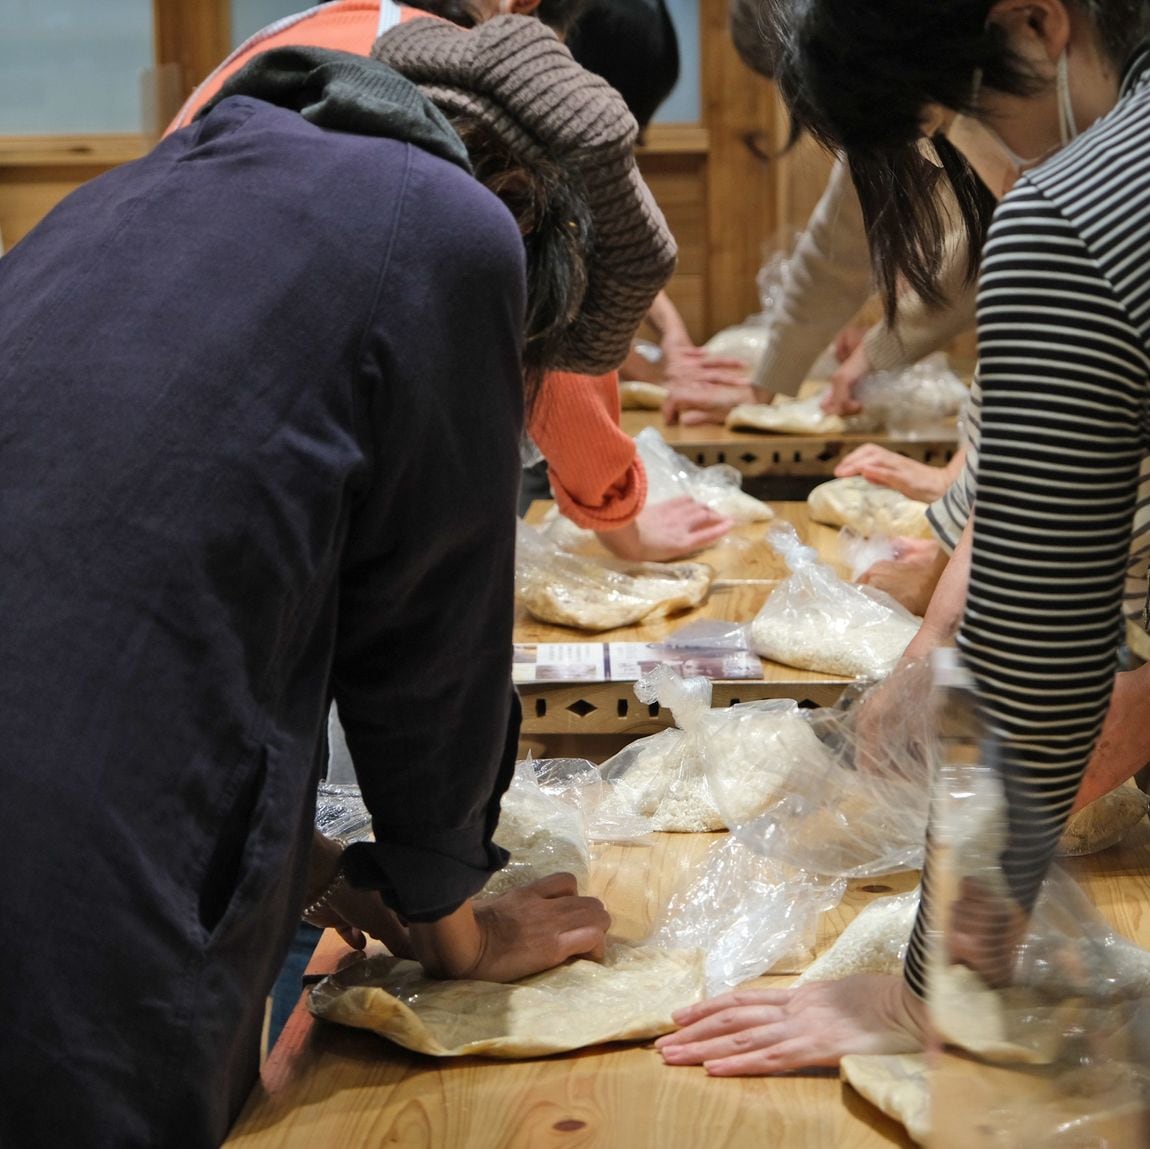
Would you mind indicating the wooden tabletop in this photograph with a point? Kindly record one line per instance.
(747, 570)
(328, 1086)
(755, 454)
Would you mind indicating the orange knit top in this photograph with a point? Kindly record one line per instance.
(596, 476)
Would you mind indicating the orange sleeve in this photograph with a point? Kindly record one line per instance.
(344, 26)
(596, 476)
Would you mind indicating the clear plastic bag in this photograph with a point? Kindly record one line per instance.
(340, 813)
(1050, 1014)
(558, 587)
(543, 833)
(748, 913)
(580, 783)
(817, 621)
(661, 777)
(843, 792)
(858, 553)
(748, 341)
(671, 475)
(919, 401)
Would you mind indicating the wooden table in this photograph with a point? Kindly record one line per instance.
(326, 1086)
(758, 454)
(748, 569)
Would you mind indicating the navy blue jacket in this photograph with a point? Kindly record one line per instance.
(260, 406)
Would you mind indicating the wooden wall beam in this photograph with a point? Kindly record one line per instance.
(195, 34)
(741, 201)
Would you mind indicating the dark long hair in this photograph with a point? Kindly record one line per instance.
(858, 75)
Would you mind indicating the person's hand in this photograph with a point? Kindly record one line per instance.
(353, 914)
(911, 576)
(691, 403)
(686, 364)
(521, 932)
(1124, 745)
(847, 342)
(358, 914)
(759, 1031)
(840, 400)
(890, 469)
(665, 531)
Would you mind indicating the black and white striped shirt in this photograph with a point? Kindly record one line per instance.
(1064, 368)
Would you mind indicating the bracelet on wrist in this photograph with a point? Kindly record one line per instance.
(326, 894)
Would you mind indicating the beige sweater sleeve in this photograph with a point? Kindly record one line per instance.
(831, 279)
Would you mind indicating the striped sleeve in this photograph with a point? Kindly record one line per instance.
(1064, 377)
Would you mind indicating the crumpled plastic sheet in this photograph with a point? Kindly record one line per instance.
(749, 914)
(839, 791)
(543, 833)
(915, 402)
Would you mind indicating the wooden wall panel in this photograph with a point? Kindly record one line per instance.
(194, 34)
(678, 181)
(739, 112)
(37, 172)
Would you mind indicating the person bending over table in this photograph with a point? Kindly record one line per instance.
(1048, 101)
(830, 279)
(247, 470)
(593, 467)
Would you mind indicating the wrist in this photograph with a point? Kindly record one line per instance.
(623, 543)
(451, 947)
(320, 898)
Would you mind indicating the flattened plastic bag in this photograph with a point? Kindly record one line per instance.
(557, 587)
(817, 621)
(629, 997)
(1080, 989)
(750, 914)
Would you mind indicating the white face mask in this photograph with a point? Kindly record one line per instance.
(996, 163)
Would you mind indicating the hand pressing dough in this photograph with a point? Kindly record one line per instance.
(630, 997)
(790, 416)
(1105, 822)
(868, 509)
(591, 595)
(634, 395)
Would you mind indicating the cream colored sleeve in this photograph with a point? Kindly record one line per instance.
(830, 279)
